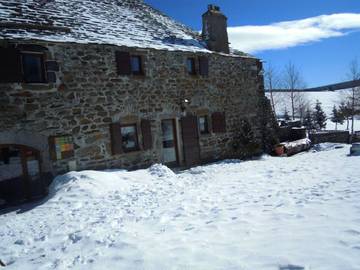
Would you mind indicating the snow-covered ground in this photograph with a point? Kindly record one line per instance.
(327, 99)
(271, 213)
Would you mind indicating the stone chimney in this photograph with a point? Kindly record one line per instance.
(214, 31)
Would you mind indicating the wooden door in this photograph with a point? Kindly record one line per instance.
(190, 136)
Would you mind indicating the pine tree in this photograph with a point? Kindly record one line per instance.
(286, 115)
(308, 120)
(345, 110)
(319, 116)
(337, 117)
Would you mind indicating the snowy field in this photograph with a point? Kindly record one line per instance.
(328, 100)
(301, 212)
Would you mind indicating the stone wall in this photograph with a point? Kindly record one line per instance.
(88, 95)
(329, 136)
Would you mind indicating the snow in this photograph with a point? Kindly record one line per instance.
(300, 212)
(327, 99)
(130, 23)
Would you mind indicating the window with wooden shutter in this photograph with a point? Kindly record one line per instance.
(10, 65)
(146, 134)
(116, 139)
(203, 66)
(218, 122)
(123, 62)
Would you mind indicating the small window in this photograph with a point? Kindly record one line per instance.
(136, 65)
(203, 124)
(33, 67)
(190, 66)
(129, 138)
(10, 163)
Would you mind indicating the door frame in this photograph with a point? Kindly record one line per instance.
(176, 145)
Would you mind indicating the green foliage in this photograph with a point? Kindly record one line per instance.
(319, 116)
(336, 116)
(286, 115)
(308, 120)
(345, 110)
(246, 135)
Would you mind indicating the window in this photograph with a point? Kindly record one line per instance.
(13, 158)
(33, 67)
(128, 64)
(10, 163)
(136, 65)
(129, 138)
(203, 124)
(190, 66)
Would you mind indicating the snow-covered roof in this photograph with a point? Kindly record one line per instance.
(129, 23)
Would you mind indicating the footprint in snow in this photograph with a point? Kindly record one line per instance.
(353, 232)
(291, 267)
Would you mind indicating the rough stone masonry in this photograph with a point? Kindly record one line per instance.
(84, 95)
(88, 95)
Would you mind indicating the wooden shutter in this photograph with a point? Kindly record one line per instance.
(123, 63)
(10, 65)
(51, 65)
(146, 134)
(116, 139)
(218, 122)
(204, 66)
(52, 150)
(190, 136)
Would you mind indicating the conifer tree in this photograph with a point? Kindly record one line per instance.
(345, 110)
(286, 115)
(319, 116)
(336, 117)
(308, 120)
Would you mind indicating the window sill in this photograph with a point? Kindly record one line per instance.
(205, 135)
(38, 86)
(131, 151)
(36, 83)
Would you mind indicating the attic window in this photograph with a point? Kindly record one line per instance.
(190, 66)
(33, 67)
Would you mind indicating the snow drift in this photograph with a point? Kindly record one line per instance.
(300, 212)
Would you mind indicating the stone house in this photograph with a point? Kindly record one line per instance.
(91, 84)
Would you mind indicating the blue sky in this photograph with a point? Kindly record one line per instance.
(320, 37)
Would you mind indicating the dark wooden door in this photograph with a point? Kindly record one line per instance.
(190, 136)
